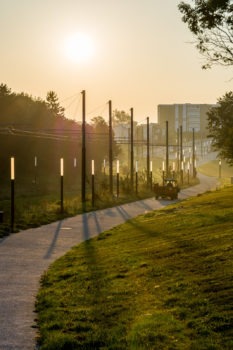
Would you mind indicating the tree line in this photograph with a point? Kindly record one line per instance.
(31, 127)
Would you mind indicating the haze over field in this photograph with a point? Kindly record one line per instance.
(136, 53)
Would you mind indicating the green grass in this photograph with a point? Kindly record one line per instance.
(212, 169)
(160, 281)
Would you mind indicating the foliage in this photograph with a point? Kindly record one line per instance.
(32, 127)
(54, 105)
(120, 117)
(211, 22)
(100, 142)
(160, 281)
(220, 125)
(4, 90)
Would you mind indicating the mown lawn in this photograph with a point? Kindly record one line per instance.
(160, 281)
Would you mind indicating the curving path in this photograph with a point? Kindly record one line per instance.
(26, 255)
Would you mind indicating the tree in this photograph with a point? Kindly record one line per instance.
(100, 141)
(4, 90)
(120, 117)
(54, 105)
(211, 22)
(220, 125)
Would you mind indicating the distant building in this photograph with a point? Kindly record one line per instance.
(190, 116)
(122, 133)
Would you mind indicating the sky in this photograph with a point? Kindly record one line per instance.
(137, 53)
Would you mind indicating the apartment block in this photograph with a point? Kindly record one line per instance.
(190, 116)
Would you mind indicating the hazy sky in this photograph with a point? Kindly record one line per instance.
(135, 52)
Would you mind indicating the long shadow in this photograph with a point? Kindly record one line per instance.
(123, 213)
(145, 205)
(3, 239)
(98, 227)
(54, 241)
(86, 231)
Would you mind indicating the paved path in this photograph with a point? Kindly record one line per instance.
(26, 255)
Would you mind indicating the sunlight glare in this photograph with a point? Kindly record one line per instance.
(79, 48)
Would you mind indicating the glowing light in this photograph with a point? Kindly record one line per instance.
(79, 48)
(118, 166)
(61, 167)
(12, 168)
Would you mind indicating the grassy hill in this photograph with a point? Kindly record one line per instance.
(160, 281)
(212, 169)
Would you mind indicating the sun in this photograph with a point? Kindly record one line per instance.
(79, 48)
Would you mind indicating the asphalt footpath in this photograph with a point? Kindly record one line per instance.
(24, 257)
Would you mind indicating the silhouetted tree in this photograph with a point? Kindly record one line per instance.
(211, 22)
(220, 125)
(54, 105)
(4, 90)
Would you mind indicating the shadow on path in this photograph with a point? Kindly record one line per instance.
(123, 213)
(53, 244)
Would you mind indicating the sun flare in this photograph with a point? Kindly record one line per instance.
(79, 48)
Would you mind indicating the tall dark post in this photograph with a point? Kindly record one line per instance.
(178, 150)
(167, 155)
(163, 174)
(110, 149)
(35, 165)
(61, 184)
(148, 150)
(118, 179)
(219, 169)
(83, 184)
(12, 205)
(92, 183)
(181, 154)
(131, 149)
(12, 194)
(193, 160)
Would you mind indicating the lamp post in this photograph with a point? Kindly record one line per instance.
(219, 168)
(188, 170)
(151, 175)
(147, 150)
(173, 169)
(117, 166)
(12, 193)
(163, 169)
(83, 182)
(136, 176)
(182, 172)
(194, 155)
(131, 146)
(75, 162)
(35, 166)
(61, 182)
(93, 182)
(110, 149)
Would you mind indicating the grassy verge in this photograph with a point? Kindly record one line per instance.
(160, 281)
(212, 169)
